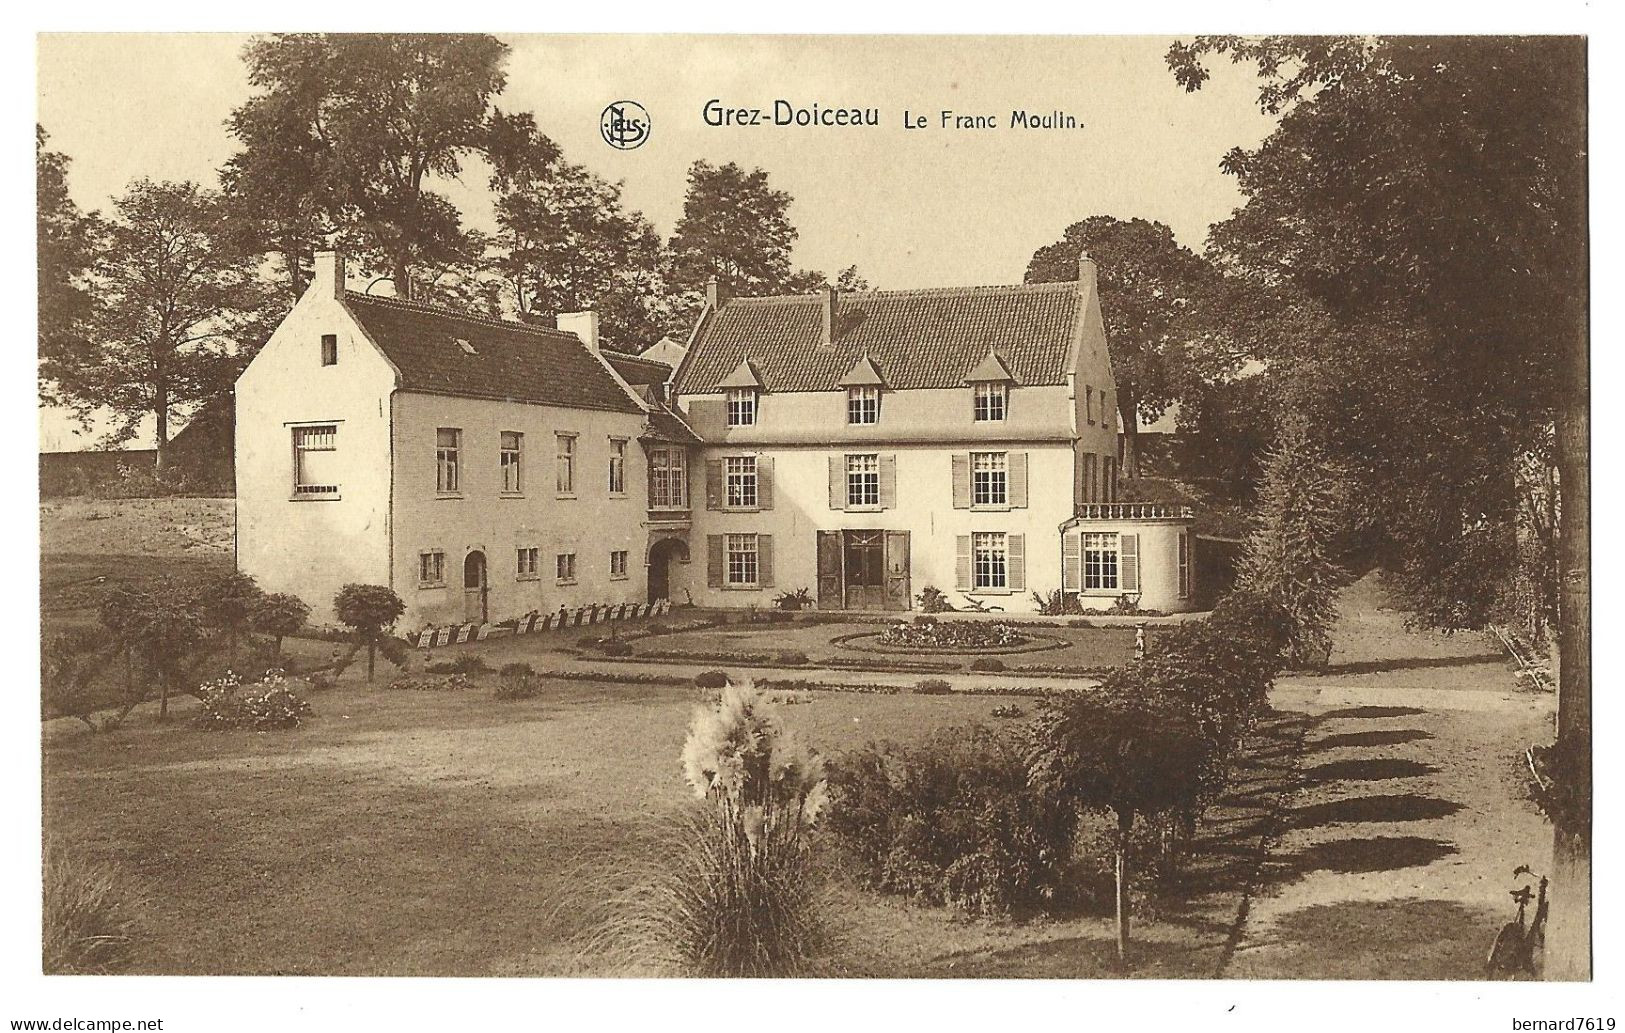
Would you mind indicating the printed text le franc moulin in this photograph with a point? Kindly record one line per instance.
(784, 113)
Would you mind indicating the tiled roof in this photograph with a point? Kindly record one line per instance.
(637, 370)
(921, 339)
(664, 425)
(502, 360)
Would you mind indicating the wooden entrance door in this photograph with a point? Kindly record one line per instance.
(898, 593)
(829, 571)
(476, 589)
(864, 557)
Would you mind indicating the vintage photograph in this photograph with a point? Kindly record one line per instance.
(903, 507)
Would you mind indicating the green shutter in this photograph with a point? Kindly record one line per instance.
(1071, 562)
(1018, 480)
(888, 481)
(962, 562)
(1015, 551)
(713, 560)
(1128, 558)
(764, 482)
(961, 480)
(764, 560)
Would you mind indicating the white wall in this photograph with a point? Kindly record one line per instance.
(1159, 563)
(312, 548)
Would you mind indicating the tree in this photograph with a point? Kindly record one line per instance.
(734, 227)
(1134, 753)
(1147, 279)
(176, 305)
(163, 624)
(346, 133)
(229, 602)
(280, 615)
(1290, 557)
(1440, 185)
(69, 663)
(370, 611)
(568, 244)
(66, 241)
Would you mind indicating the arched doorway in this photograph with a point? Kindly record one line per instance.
(476, 589)
(662, 555)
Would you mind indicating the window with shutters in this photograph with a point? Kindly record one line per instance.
(989, 479)
(565, 464)
(863, 405)
(315, 461)
(1100, 562)
(863, 481)
(448, 466)
(990, 398)
(668, 479)
(617, 466)
(990, 560)
(741, 406)
(527, 566)
(741, 482)
(741, 561)
(432, 569)
(513, 454)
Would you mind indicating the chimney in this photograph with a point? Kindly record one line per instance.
(827, 296)
(584, 325)
(1086, 274)
(716, 292)
(329, 274)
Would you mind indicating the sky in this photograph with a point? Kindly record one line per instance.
(930, 207)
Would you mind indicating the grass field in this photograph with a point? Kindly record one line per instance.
(439, 833)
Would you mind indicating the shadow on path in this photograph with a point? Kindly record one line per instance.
(1418, 663)
(1382, 808)
(1374, 770)
(1393, 737)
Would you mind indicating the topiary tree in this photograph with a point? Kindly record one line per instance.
(228, 602)
(280, 615)
(371, 612)
(1290, 557)
(163, 624)
(69, 661)
(1135, 753)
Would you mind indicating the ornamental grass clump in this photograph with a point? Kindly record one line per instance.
(87, 918)
(733, 893)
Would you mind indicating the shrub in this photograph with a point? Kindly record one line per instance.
(987, 664)
(518, 681)
(445, 683)
(711, 679)
(516, 669)
(957, 635)
(280, 615)
(932, 600)
(931, 687)
(269, 703)
(228, 602)
(88, 928)
(1008, 710)
(69, 663)
(734, 895)
(791, 658)
(951, 821)
(371, 612)
(616, 647)
(163, 624)
(801, 598)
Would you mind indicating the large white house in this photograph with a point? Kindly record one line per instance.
(861, 446)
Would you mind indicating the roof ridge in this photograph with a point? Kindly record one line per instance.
(1049, 285)
(450, 313)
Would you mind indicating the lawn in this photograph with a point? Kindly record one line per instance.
(444, 833)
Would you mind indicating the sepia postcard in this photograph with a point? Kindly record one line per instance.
(1066, 508)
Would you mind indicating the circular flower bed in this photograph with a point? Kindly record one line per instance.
(956, 635)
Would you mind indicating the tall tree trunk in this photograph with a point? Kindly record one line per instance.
(160, 412)
(1568, 937)
(402, 276)
(1128, 408)
(372, 655)
(1125, 824)
(296, 275)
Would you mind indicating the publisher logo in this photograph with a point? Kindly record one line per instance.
(624, 125)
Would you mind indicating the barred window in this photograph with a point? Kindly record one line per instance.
(1099, 561)
(668, 479)
(863, 480)
(740, 554)
(741, 406)
(448, 448)
(863, 405)
(741, 482)
(617, 563)
(431, 568)
(528, 563)
(315, 460)
(990, 566)
(617, 466)
(989, 479)
(566, 463)
(990, 399)
(513, 454)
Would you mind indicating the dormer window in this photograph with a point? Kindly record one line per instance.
(862, 405)
(330, 349)
(741, 406)
(991, 399)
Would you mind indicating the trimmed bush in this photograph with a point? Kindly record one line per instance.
(791, 658)
(615, 647)
(518, 681)
(952, 821)
(371, 611)
(268, 703)
(924, 633)
(88, 928)
(987, 664)
(931, 687)
(711, 679)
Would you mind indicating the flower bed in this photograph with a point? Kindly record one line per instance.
(955, 635)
